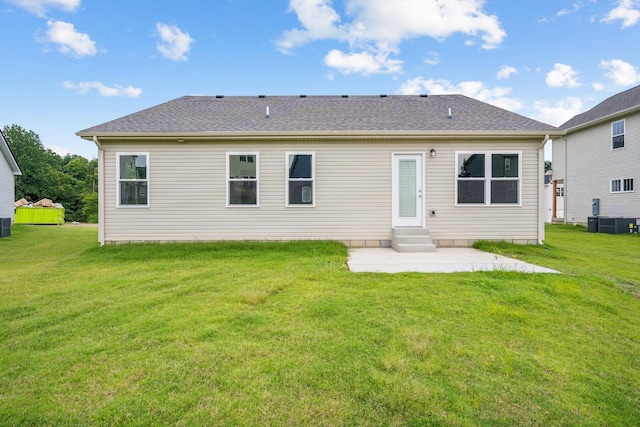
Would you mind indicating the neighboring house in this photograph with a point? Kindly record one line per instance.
(346, 168)
(8, 170)
(598, 161)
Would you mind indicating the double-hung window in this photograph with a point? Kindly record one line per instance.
(242, 173)
(622, 185)
(133, 179)
(617, 134)
(488, 178)
(300, 179)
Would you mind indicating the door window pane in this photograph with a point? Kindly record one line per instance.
(407, 176)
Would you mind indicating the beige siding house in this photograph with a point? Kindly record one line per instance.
(9, 169)
(357, 169)
(599, 158)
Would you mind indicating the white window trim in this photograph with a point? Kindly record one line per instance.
(487, 178)
(624, 126)
(257, 178)
(622, 190)
(313, 179)
(118, 180)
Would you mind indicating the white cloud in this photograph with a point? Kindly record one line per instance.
(319, 21)
(69, 41)
(559, 112)
(40, 7)
(598, 86)
(562, 75)
(377, 27)
(433, 58)
(506, 72)
(364, 63)
(628, 11)
(104, 90)
(575, 8)
(497, 96)
(174, 44)
(620, 72)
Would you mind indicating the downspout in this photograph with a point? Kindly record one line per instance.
(566, 180)
(100, 190)
(541, 189)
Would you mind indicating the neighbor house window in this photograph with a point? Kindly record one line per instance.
(622, 185)
(133, 179)
(242, 173)
(487, 178)
(617, 134)
(300, 179)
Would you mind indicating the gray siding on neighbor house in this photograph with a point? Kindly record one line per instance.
(591, 166)
(187, 193)
(7, 189)
(558, 159)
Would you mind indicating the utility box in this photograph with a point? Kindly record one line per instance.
(39, 215)
(616, 225)
(595, 207)
(5, 227)
(592, 224)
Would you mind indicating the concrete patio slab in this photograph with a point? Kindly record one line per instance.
(444, 260)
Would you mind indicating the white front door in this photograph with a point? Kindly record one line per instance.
(407, 189)
(560, 201)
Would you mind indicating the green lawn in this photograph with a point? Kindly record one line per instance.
(283, 334)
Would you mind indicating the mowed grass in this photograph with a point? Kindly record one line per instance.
(283, 334)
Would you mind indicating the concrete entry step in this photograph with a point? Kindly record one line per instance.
(412, 239)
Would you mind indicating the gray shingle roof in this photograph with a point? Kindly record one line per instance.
(621, 102)
(291, 114)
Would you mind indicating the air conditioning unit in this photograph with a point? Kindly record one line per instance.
(616, 225)
(5, 227)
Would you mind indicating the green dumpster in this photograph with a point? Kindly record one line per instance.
(39, 215)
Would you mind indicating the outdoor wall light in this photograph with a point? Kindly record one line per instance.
(433, 152)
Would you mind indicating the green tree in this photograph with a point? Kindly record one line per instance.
(34, 162)
(90, 207)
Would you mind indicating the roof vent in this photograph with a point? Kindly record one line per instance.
(345, 96)
(423, 95)
(303, 96)
(219, 96)
(261, 96)
(267, 113)
(383, 96)
(450, 116)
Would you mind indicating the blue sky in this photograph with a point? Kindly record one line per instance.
(71, 64)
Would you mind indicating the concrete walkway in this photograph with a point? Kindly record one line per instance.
(444, 260)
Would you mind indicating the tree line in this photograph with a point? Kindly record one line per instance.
(71, 180)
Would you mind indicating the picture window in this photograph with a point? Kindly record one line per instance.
(486, 178)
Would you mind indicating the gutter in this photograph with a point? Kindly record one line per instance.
(289, 135)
